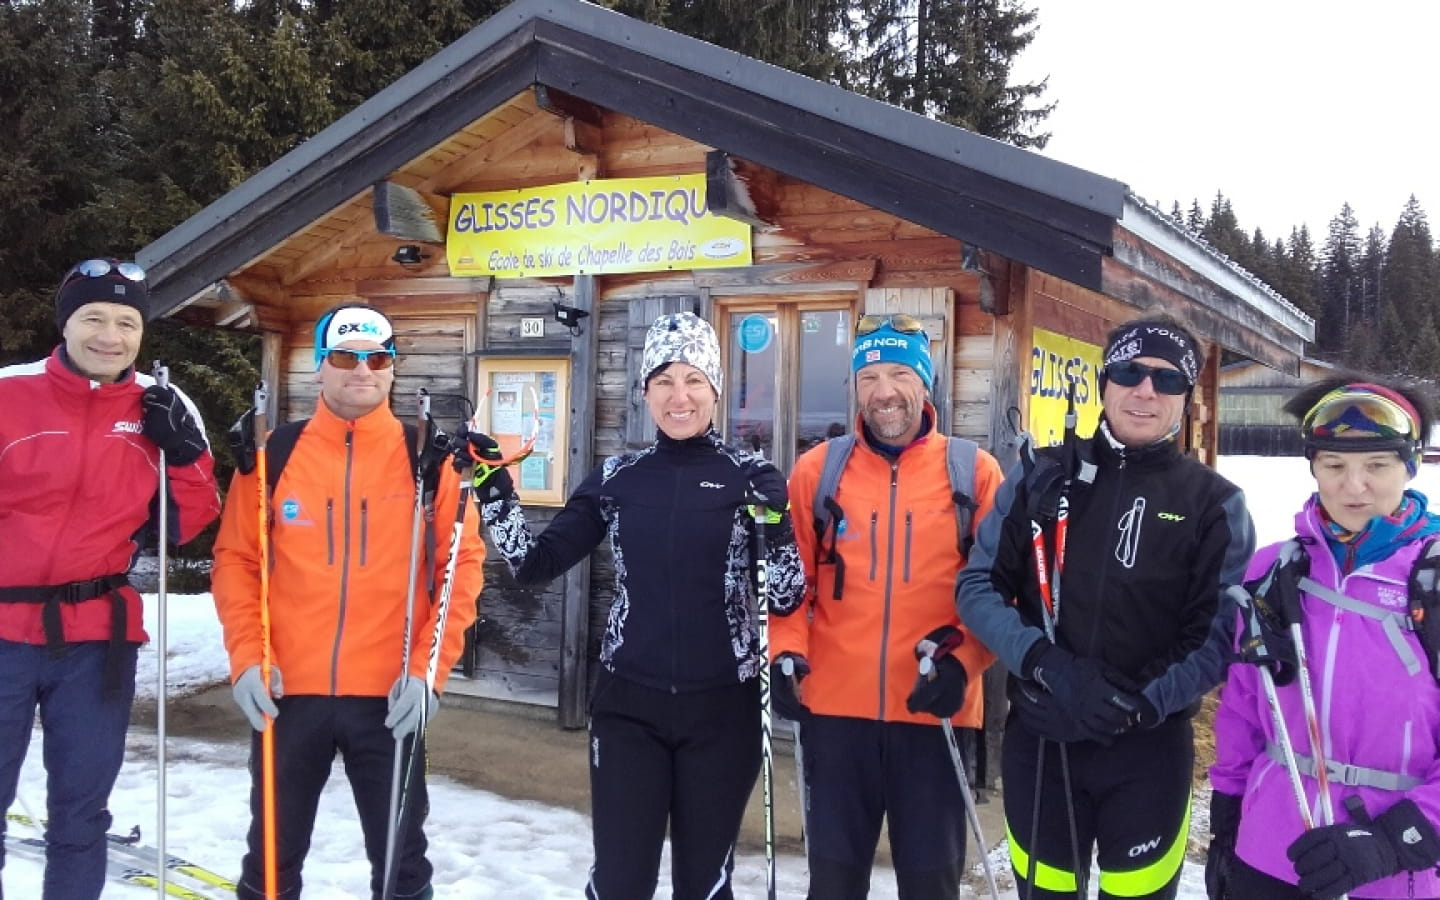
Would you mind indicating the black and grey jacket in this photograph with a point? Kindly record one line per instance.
(684, 614)
(1153, 542)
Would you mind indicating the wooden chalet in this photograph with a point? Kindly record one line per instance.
(843, 206)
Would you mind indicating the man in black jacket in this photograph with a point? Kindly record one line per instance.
(1138, 542)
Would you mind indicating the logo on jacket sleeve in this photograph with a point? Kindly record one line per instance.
(124, 426)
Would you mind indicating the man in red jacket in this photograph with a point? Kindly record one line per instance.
(80, 446)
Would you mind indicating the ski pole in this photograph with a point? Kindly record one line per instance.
(432, 666)
(762, 627)
(417, 516)
(927, 649)
(787, 668)
(1243, 601)
(162, 378)
(267, 737)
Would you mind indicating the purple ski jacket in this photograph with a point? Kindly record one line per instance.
(1371, 711)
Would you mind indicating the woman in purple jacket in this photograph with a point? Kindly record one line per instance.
(1376, 699)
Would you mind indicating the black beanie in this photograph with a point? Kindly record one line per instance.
(77, 289)
(1161, 340)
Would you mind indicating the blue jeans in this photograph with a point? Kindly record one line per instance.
(84, 744)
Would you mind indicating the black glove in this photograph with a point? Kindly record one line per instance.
(1264, 638)
(168, 423)
(1041, 714)
(433, 455)
(1224, 825)
(768, 482)
(1335, 859)
(241, 441)
(941, 691)
(783, 699)
(491, 480)
(1100, 708)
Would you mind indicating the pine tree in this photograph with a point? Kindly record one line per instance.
(950, 60)
(798, 35)
(1409, 277)
(1339, 271)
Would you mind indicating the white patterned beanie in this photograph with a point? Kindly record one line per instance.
(682, 337)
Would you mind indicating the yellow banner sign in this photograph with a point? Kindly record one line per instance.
(593, 228)
(1056, 362)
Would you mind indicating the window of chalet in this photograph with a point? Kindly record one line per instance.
(787, 374)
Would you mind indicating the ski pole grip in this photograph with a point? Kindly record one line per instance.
(161, 373)
(787, 667)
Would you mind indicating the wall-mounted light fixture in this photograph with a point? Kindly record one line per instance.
(570, 317)
(409, 255)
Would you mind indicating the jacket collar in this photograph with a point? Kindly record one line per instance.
(379, 422)
(58, 366)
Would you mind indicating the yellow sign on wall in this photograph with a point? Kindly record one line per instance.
(1056, 362)
(593, 228)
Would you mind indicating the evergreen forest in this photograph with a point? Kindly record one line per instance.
(121, 118)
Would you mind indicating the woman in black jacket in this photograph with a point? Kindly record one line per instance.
(675, 718)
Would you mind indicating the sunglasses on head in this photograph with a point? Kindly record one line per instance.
(375, 360)
(1130, 373)
(99, 268)
(897, 322)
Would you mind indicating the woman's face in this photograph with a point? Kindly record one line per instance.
(1356, 487)
(681, 401)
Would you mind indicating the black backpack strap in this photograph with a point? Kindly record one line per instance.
(829, 516)
(278, 447)
(1424, 596)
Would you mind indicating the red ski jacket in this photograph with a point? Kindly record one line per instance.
(77, 479)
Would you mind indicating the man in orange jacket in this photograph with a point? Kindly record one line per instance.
(340, 550)
(873, 746)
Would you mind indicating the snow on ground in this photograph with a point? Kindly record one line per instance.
(482, 845)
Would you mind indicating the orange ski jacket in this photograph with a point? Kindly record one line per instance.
(340, 553)
(901, 559)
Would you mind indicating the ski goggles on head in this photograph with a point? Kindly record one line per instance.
(1130, 373)
(375, 360)
(99, 268)
(897, 321)
(1362, 417)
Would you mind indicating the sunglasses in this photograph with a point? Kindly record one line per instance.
(375, 360)
(1130, 373)
(99, 268)
(1355, 414)
(897, 322)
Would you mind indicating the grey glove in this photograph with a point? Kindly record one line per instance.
(409, 699)
(252, 698)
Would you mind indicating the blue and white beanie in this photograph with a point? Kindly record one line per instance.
(682, 337)
(352, 322)
(885, 344)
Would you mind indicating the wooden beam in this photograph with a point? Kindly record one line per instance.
(787, 277)
(409, 287)
(472, 165)
(230, 314)
(559, 103)
(575, 613)
(583, 138)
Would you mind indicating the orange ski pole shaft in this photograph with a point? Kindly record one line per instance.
(267, 737)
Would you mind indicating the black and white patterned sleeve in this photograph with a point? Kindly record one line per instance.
(575, 531)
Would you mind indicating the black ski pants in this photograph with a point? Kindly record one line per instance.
(1130, 802)
(688, 760)
(309, 731)
(860, 773)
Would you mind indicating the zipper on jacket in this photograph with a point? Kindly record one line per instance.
(909, 534)
(1098, 614)
(889, 568)
(345, 565)
(673, 530)
(364, 529)
(874, 544)
(329, 531)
